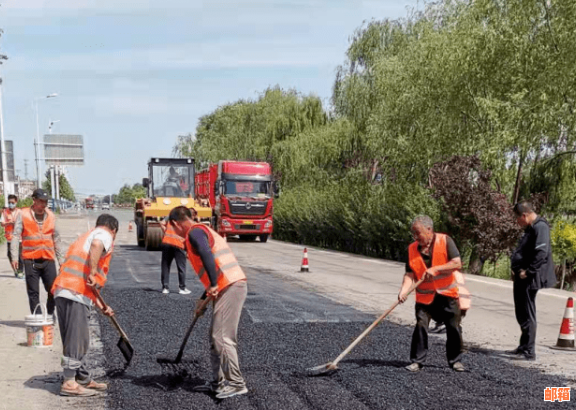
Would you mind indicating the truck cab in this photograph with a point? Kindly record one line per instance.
(241, 196)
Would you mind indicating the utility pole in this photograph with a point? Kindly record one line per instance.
(2, 145)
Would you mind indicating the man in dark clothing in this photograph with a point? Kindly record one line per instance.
(532, 269)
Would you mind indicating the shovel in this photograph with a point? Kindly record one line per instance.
(331, 367)
(124, 344)
(163, 360)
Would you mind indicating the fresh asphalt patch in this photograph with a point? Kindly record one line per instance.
(283, 331)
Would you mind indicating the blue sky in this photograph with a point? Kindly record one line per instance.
(132, 75)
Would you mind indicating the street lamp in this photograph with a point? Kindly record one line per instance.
(37, 142)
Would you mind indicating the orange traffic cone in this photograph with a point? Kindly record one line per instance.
(130, 226)
(304, 267)
(566, 336)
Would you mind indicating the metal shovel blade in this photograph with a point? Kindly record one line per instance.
(323, 369)
(126, 349)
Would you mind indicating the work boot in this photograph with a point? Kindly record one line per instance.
(414, 367)
(458, 367)
(94, 385)
(73, 389)
(230, 391)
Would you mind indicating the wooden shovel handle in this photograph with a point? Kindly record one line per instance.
(112, 318)
(374, 324)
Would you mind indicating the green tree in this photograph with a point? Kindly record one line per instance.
(66, 190)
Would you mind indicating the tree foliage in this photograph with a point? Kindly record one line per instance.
(66, 190)
(477, 215)
(129, 194)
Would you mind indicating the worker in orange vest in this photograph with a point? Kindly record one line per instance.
(225, 283)
(435, 257)
(173, 248)
(36, 227)
(86, 266)
(9, 216)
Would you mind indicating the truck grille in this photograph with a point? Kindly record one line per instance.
(248, 207)
(247, 227)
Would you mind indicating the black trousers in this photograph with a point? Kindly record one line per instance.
(169, 253)
(20, 264)
(443, 310)
(37, 269)
(525, 307)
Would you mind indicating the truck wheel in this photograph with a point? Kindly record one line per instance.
(153, 238)
(264, 237)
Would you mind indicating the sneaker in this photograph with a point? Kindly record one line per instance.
(439, 328)
(184, 291)
(208, 387)
(230, 391)
(94, 385)
(73, 389)
(165, 291)
(414, 367)
(458, 367)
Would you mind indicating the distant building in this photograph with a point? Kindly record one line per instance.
(25, 188)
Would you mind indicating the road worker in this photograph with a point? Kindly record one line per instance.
(225, 283)
(9, 216)
(86, 266)
(173, 248)
(435, 257)
(532, 269)
(36, 228)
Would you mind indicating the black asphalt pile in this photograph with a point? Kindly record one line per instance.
(275, 355)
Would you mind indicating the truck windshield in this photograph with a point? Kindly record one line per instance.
(174, 181)
(257, 189)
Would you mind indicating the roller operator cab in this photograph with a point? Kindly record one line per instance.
(241, 195)
(170, 183)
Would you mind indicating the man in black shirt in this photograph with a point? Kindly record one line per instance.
(532, 269)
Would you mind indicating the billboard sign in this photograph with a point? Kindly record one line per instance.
(61, 149)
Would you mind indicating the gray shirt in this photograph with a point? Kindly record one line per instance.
(19, 226)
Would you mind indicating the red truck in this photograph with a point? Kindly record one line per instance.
(89, 203)
(241, 197)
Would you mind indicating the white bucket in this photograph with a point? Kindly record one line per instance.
(39, 328)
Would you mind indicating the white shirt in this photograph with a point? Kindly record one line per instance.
(106, 238)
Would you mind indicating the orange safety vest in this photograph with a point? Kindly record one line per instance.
(9, 220)
(75, 270)
(172, 238)
(443, 283)
(36, 243)
(464, 297)
(227, 267)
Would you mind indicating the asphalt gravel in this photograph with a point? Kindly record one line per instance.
(283, 331)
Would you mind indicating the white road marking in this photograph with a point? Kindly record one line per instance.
(132, 273)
